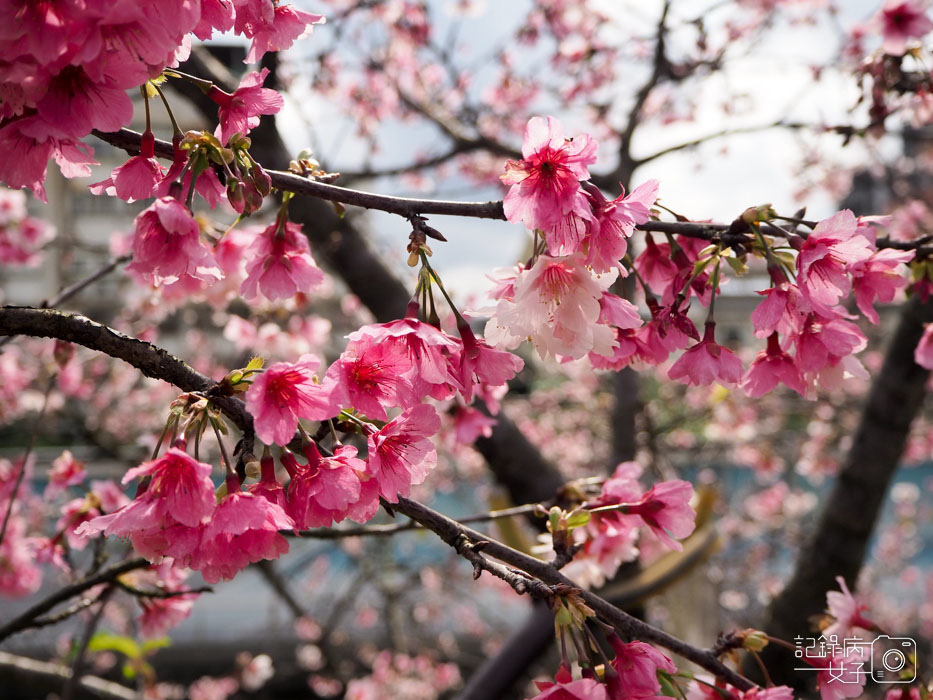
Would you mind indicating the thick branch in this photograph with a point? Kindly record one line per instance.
(453, 534)
(152, 361)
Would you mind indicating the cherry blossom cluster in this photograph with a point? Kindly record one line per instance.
(176, 515)
(21, 236)
(619, 514)
(561, 299)
(27, 545)
(67, 69)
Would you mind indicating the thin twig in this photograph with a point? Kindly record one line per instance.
(409, 207)
(410, 526)
(452, 533)
(25, 620)
(77, 287)
(25, 459)
(77, 667)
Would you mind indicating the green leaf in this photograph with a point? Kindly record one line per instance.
(738, 266)
(667, 686)
(255, 364)
(152, 645)
(106, 641)
(578, 519)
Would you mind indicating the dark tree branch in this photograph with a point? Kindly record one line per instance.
(409, 207)
(24, 621)
(454, 533)
(152, 361)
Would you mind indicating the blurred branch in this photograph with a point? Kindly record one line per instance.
(25, 620)
(77, 287)
(26, 672)
(25, 458)
(77, 667)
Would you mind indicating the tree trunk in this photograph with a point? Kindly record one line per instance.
(838, 545)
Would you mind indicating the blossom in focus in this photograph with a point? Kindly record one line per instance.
(707, 362)
(545, 185)
(565, 688)
(166, 517)
(607, 241)
(285, 392)
(239, 111)
(279, 264)
(635, 669)
(244, 529)
(167, 245)
(900, 21)
(322, 492)
(771, 367)
(401, 454)
(666, 510)
(825, 257)
(556, 305)
(375, 376)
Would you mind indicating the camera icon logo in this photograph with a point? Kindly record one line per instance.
(892, 659)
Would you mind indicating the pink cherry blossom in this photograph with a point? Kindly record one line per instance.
(878, 278)
(556, 305)
(707, 362)
(19, 575)
(480, 363)
(239, 111)
(375, 376)
(635, 669)
(841, 676)
(276, 32)
(826, 255)
(781, 311)
(846, 611)
(244, 529)
(322, 492)
(167, 245)
(166, 517)
(279, 264)
(923, 353)
(607, 241)
(655, 266)
(66, 471)
(285, 392)
(401, 454)
(565, 688)
(268, 486)
(137, 178)
(771, 367)
(666, 510)
(429, 350)
(470, 424)
(545, 185)
(900, 21)
(825, 341)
